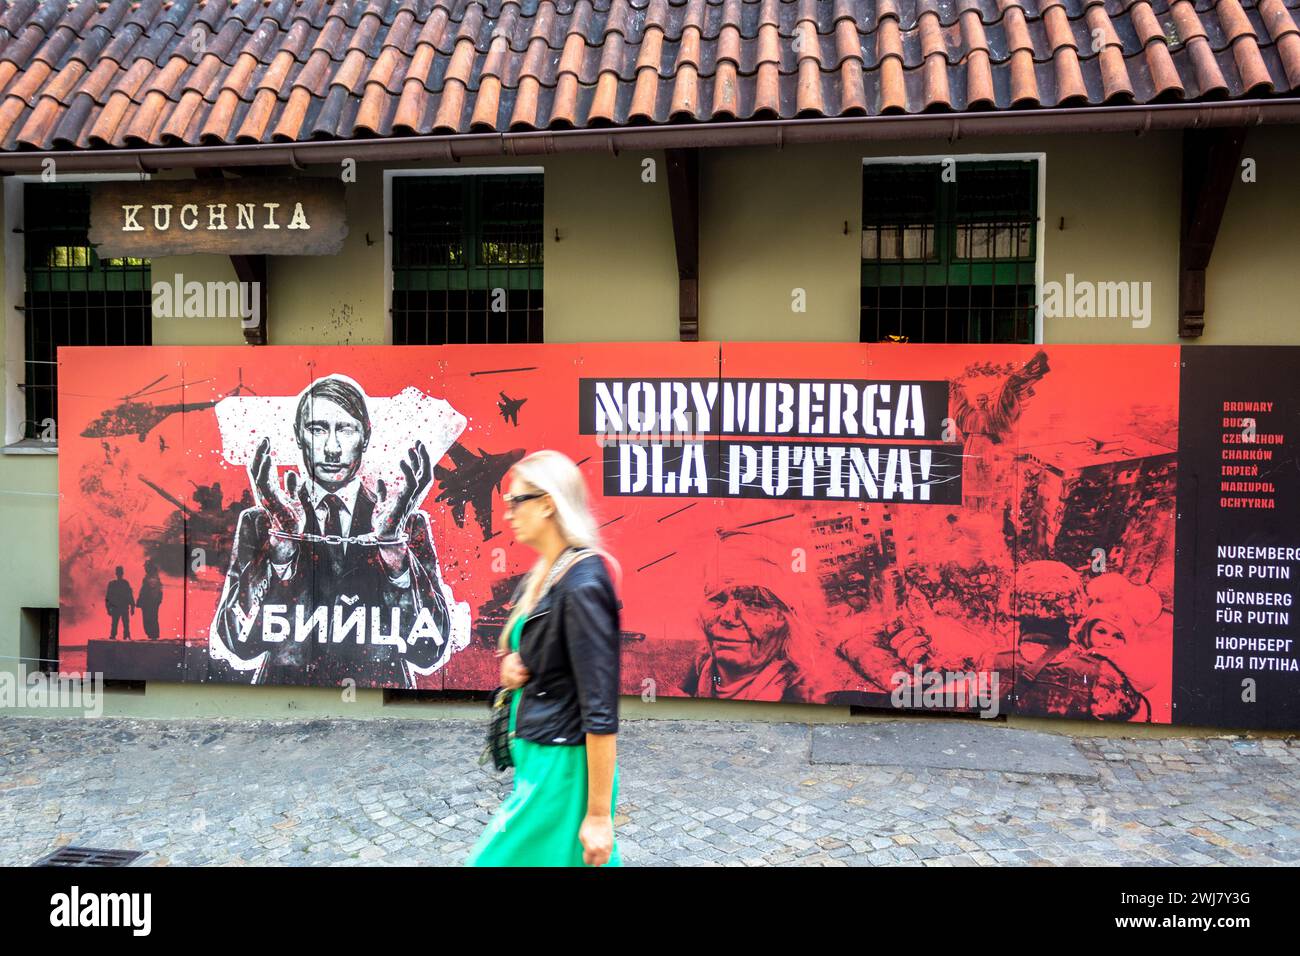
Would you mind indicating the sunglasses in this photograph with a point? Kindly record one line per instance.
(513, 501)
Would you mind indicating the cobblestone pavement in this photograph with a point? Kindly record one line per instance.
(410, 792)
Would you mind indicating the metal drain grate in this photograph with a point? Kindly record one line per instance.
(89, 856)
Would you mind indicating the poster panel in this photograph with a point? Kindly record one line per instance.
(123, 518)
(1094, 530)
(886, 525)
(1239, 538)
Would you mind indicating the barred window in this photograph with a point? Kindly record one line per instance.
(72, 296)
(467, 259)
(949, 258)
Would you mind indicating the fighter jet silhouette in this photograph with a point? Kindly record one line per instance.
(510, 408)
(140, 418)
(471, 483)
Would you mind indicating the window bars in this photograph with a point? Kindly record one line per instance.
(72, 296)
(948, 252)
(467, 259)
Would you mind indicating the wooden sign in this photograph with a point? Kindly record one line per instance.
(286, 217)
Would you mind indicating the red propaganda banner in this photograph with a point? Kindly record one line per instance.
(977, 528)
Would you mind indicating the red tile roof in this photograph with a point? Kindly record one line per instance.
(86, 74)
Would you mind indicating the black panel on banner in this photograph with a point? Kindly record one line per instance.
(1238, 564)
(821, 408)
(913, 474)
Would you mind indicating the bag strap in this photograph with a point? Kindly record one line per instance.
(581, 553)
(566, 560)
(578, 555)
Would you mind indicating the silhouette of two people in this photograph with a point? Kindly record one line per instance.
(120, 602)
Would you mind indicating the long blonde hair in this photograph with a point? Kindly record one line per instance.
(555, 474)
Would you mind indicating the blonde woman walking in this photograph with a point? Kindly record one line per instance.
(559, 653)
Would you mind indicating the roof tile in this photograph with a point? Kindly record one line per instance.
(91, 74)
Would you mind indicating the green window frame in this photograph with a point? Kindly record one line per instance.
(949, 251)
(467, 259)
(71, 296)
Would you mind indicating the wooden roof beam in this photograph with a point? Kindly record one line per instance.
(1211, 160)
(684, 198)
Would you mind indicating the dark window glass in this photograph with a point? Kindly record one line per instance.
(467, 259)
(948, 252)
(72, 297)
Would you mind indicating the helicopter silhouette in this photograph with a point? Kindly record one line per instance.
(138, 418)
(510, 408)
(471, 483)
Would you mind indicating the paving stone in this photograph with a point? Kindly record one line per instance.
(387, 792)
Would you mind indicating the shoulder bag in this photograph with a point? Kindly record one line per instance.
(497, 747)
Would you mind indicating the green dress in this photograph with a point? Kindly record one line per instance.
(538, 823)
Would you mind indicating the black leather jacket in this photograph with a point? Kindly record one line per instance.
(570, 645)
